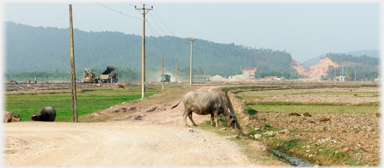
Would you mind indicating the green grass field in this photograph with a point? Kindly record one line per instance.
(88, 101)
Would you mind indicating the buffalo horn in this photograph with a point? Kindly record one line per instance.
(231, 113)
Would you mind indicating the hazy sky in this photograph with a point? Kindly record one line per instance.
(305, 30)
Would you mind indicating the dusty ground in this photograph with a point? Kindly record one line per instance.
(131, 138)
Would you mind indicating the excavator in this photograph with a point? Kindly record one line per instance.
(89, 76)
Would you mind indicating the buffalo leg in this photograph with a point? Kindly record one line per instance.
(212, 117)
(185, 118)
(190, 117)
(216, 116)
(217, 120)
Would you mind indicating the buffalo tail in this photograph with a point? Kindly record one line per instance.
(177, 103)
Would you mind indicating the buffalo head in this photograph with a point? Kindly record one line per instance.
(16, 118)
(232, 120)
(34, 116)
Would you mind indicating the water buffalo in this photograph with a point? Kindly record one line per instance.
(9, 117)
(45, 114)
(203, 103)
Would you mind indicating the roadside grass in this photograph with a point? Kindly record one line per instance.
(88, 101)
(303, 148)
(255, 156)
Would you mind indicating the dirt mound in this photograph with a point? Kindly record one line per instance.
(314, 71)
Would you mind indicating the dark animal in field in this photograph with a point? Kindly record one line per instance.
(45, 114)
(120, 86)
(9, 117)
(294, 114)
(324, 119)
(204, 103)
(307, 114)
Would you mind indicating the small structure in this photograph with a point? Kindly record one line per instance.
(217, 78)
(271, 77)
(204, 77)
(249, 73)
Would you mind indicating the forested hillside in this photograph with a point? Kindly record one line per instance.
(369, 53)
(371, 62)
(364, 66)
(47, 49)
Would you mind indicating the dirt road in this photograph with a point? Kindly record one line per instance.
(159, 138)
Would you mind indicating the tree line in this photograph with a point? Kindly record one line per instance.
(349, 73)
(46, 49)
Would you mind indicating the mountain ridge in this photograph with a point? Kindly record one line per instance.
(47, 49)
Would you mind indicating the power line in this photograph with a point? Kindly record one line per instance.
(163, 22)
(128, 4)
(158, 45)
(153, 29)
(158, 24)
(118, 11)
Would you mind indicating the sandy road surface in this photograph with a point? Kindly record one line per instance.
(159, 139)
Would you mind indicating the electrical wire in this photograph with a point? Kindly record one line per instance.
(118, 11)
(157, 24)
(150, 28)
(128, 4)
(163, 22)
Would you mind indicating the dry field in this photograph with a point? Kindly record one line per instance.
(324, 136)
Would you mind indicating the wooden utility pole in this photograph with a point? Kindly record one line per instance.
(298, 77)
(143, 11)
(176, 72)
(73, 72)
(355, 75)
(257, 74)
(335, 71)
(162, 71)
(190, 74)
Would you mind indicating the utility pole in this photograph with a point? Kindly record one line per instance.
(190, 74)
(257, 74)
(176, 72)
(355, 75)
(162, 71)
(298, 77)
(73, 72)
(335, 71)
(143, 11)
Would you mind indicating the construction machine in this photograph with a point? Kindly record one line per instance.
(167, 78)
(89, 76)
(109, 75)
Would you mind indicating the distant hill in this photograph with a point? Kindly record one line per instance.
(312, 61)
(369, 53)
(47, 49)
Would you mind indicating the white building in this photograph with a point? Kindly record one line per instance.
(249, 73)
